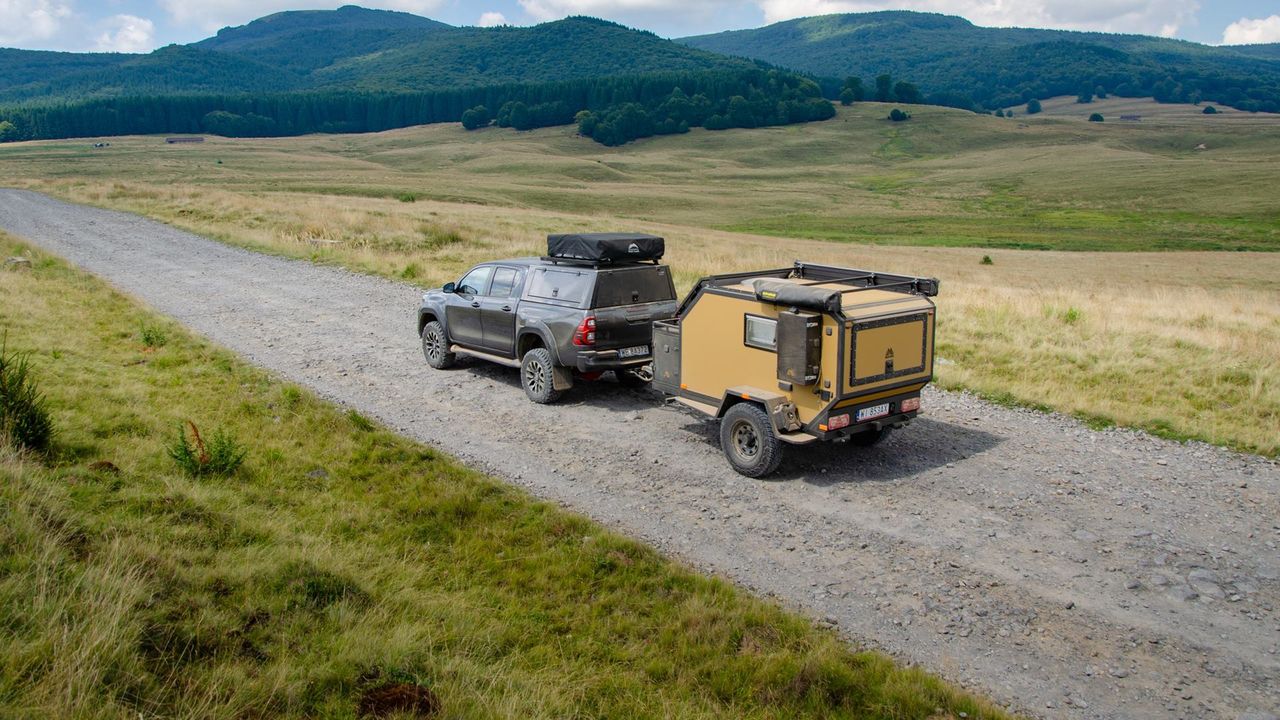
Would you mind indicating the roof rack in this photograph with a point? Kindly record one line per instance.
(596, 263)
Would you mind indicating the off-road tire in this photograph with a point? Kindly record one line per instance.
(749, 441)
(435, 346)
(537, 376)
(870, 437)
(635, 377)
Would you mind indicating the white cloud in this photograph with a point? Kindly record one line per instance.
(212, 16)
(492, 19)
(554, 9)
(127, 34)
(1140, 16)
(1247, 31)
(24, 21)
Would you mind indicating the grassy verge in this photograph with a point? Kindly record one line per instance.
(344, 569)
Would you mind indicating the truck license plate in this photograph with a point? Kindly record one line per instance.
(873, 412)
(637, 351)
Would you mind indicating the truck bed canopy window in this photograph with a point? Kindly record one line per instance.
(633, 286)
(567, 285)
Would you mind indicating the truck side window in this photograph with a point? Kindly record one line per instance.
(504, 282)
(476, 281)
(761, 332)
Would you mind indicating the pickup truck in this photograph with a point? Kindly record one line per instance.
(554, 318)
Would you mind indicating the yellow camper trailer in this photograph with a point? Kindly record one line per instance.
(799, 354)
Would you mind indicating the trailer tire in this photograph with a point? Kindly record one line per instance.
(537, 376)
(435, 346)
(749, 442)
(870, 437)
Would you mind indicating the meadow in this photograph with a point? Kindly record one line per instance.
(1108, 270)
(343, 571)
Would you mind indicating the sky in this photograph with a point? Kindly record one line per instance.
(143, 25)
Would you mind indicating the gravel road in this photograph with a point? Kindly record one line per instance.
(1066, 572)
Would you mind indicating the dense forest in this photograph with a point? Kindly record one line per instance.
(962, 65)
(610, 110)
(354, 49)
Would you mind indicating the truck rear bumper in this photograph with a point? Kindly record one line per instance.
(603, 360)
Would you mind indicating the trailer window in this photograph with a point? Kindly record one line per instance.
(560, 285)
(761, 332)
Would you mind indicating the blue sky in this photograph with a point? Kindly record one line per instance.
(143, 25)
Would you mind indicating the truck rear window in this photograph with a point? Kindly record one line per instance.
(634, 286)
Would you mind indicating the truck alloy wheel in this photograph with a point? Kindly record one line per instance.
(537, 376)
(749, 441)
(435, 346)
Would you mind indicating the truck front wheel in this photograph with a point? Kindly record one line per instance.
(749, 441)
(435, 346)
(537, 375)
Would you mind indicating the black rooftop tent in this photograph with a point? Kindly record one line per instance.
(606, 247)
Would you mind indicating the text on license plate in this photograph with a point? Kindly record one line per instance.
(875, 411)
(637, 351)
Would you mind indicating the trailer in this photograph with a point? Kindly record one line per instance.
(798, 355)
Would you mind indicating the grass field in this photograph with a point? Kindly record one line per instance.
(343, 566)
(1184, 344)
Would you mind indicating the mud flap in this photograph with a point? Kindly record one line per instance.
(561, 378)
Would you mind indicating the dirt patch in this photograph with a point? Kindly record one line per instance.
(399, 697)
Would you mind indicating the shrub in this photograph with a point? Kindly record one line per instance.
(24, 415)
(153, 336)
(1033, 106)
(1096, 117)
(846, 97)
(407, 197)
(221, 456)
(986, 260)
(1210, 110)
(897, 115)
(475, 118)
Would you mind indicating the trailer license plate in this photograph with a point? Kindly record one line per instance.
(873, 412)
(637, 351)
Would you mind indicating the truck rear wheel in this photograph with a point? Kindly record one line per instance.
(749, 441)
(537, 376)
(435, 346)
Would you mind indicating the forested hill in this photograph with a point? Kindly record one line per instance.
(954, 60)
(354, 49)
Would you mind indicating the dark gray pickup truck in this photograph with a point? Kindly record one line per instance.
(556, 317)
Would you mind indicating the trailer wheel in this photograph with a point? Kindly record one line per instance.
(435, 346)
(537, 376)
(749, 442)
(870, 437)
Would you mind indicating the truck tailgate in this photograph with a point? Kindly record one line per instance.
(630, 325)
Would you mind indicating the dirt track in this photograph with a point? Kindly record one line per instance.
(1066, 572)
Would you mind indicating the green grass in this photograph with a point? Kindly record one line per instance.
(341, 558)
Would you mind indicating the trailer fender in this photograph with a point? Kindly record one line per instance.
(778, 407)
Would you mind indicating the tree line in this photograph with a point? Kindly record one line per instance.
(747, 97)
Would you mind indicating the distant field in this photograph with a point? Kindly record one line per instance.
(1184, 344)
(1150, 111)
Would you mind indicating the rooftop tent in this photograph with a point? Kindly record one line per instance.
(605, 247)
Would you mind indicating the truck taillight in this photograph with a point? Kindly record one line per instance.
(909, 405)
(585, 335)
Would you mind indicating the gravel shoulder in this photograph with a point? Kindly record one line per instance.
(1066, 572)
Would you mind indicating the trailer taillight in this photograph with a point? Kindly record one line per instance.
(585, 335)
(909, 405)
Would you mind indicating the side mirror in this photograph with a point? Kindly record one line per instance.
(449, 287)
